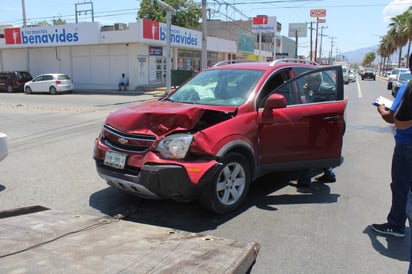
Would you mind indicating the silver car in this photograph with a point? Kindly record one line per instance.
(51, 83)
(3, 146)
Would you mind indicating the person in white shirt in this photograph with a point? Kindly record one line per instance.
(123, 82)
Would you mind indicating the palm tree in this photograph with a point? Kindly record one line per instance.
(398, 32)
(386, 49)
(409, 30)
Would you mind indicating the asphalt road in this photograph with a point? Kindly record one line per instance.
(322, 230)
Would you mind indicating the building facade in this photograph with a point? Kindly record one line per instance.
(95, 57)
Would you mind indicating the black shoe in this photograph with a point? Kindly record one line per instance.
(326, 178)
(387, 230)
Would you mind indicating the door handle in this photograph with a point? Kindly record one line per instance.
(331, 118)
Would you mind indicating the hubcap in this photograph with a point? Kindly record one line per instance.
(231, 183)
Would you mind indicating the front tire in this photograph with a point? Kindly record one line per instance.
(9, 89)
(229, 186)
(27, 90)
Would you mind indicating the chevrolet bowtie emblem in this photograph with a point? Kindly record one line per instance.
(122, 141)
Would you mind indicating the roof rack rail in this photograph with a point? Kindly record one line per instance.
(226, 62)
(295, 60)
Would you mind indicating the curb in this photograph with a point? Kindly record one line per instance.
(155, 93)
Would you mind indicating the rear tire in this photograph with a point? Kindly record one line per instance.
(229, 186)
(9, 89)
(52, 90)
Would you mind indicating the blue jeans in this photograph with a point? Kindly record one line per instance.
(401, 181)
(409, 215)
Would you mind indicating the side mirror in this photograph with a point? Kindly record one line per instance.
(274, 101)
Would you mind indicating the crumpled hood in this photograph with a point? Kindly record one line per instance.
(161, 117)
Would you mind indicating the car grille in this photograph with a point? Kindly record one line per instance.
(134, 143)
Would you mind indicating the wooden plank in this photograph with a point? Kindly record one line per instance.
(55, 242)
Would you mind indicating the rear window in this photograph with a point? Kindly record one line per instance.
(23, 75)
(63, 77)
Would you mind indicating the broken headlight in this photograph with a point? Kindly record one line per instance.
(175, 146)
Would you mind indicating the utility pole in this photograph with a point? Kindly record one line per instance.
(78, 12)
(321, 39)
(311, 43)
(204, 36)
(23, 6)
(316, 39)
(169, 10)
(332, 40)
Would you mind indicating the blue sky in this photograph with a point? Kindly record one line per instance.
(350, 24)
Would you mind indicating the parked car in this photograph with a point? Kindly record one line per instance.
(225, 127)
(369, 73)
(3, 146)
(12, 81)
(401, 79)
(345, 72)
(352, 77)
(393, 76)
(51, 83)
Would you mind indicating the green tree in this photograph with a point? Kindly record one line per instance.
(187, 13)
(42, 23)
(368, 59)
(58, 21)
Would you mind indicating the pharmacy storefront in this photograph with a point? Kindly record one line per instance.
(95, 59)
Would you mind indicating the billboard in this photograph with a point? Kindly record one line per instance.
(263, 23)
(300, 28)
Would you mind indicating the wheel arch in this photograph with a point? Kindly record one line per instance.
(243, 148)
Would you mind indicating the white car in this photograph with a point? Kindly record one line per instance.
(51, 83)
(3, 146)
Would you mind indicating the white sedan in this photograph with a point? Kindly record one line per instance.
(3, 146)
(51, 83)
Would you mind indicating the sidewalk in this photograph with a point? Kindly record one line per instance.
(156, 92)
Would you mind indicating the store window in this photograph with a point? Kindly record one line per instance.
(188, 60)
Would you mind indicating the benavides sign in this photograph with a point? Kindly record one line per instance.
(69, 34)
(155, 32)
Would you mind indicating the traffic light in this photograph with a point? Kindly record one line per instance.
(153, 2)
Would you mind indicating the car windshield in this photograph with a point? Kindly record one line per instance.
(405, 77)
(218, 87)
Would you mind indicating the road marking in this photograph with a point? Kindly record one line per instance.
(359, 88)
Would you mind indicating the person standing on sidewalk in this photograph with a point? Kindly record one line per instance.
(401, 169)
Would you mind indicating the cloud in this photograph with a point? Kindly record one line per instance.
(395, 8)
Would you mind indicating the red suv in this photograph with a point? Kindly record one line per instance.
(221, 130)
(11, 81)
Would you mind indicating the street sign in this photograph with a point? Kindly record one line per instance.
(321, 20)
(318, 13)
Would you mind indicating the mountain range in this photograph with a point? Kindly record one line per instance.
(357, 56)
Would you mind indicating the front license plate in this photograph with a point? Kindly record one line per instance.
(115, 159)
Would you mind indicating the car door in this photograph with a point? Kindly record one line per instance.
(36, 83)
(307, 133)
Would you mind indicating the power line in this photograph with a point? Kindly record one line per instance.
(71, 17)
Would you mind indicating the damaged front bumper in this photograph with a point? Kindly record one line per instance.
(155, 181)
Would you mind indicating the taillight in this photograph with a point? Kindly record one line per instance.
(58, 82)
